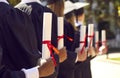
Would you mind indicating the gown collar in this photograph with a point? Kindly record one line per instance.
(4, 1)
(29, 1)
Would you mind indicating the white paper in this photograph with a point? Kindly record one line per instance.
(103, 37)
(96, 38)
(60, 32)
(47, 25)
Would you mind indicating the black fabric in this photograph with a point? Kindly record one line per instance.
(66, 69)
(76, 40)
(50, 1)
(82, 69)
(37, 18)
(78, 69)
(69, 32)
(18, 42)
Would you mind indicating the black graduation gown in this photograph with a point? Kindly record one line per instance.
(82, 69)
(37, 19)
(66, 69)
(18, 42)
(78, 65)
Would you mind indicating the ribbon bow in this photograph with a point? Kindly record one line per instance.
(63, 36)
(91, 38)
(51, 47)
(83, 42)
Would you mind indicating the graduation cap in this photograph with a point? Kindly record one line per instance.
(80, 5)
(69, 7)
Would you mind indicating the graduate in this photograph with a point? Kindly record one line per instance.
(35, 10)
(19, 52)
(82, 69)
(66, 69)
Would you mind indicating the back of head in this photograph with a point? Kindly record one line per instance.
(57, 6)
(79, 12)
(70, 17)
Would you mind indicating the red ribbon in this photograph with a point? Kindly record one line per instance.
(91, 38)
(60, 37)
(51, 47)
(63, 36)
(104, 42)
(84, 42)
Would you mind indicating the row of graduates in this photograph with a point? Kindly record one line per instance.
(21, 43)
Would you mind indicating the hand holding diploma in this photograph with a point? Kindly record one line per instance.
(81, 52)
(81, 56)
(92, 51)
(62, 49)
(103, 49)
(47, 47)
(82, 38)
(47, 68)
(47, 26)
(97, 42)
(62, 54)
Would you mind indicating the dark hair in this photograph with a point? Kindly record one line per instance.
(68, 15)
(78, 12)
(70, 18)
(50, 1)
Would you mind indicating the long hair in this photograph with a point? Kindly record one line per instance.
(70, 17)
(57, 8)
(78, 13)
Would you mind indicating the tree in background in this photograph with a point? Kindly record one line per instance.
(14, 2)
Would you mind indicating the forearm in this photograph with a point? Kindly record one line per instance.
(6, 73)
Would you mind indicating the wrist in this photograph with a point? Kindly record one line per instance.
(32, 72)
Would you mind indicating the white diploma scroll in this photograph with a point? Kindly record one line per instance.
(103, 37)
(47, 25)
(103, 41)
(60, 32)
(90, 34)
(96, 38)
(82, 36)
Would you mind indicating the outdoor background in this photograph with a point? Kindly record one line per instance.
(104, 14)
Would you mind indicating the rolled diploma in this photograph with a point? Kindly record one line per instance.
(103, 37)
(90, 33)
(82, 35)
(60, 32)
(96, 38)
(47, 24)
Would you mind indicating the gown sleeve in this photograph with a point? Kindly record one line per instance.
(7, 73)
(18, 43)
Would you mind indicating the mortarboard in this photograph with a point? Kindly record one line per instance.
(69, 6)
(80, 4)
